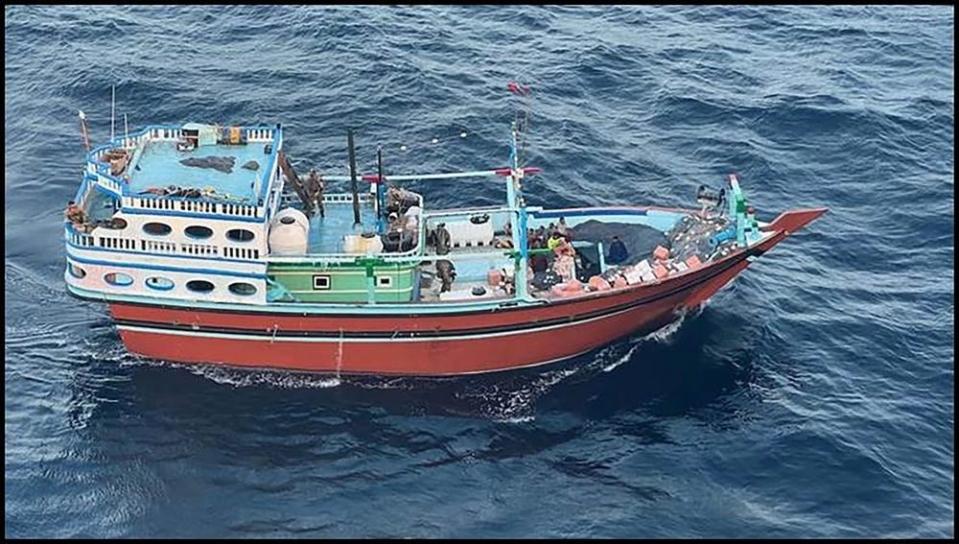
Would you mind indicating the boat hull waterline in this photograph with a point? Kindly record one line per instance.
(431, 344)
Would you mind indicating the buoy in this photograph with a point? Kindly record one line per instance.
(599, 284)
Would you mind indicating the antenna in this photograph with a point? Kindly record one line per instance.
(113, 108)
(83, 130)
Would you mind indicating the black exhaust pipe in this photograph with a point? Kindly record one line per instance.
(356, 196)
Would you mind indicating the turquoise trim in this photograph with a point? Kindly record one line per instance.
(166, 268)
(298, 308)
(106, 191)
(172, 213)
(589, 212)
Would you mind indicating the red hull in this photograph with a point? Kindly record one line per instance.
(427, 344)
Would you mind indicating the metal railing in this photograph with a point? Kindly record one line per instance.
(120, 188)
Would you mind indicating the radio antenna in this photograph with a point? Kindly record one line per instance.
(113, 108)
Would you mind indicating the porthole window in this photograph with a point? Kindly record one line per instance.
(199, 286)
(384, 281)
(118, 278)
(198, 231)
(239, 235)
(243, 289)
(76, 271)
(157, 229)
(160, 284)
(321, 282)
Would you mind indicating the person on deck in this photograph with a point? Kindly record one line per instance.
(617, 252)
(539, 261)
(555, 240)
(564, 230)
(505, 241)
(74, 214)
(314, 188)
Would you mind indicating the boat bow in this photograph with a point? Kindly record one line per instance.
(788, 223)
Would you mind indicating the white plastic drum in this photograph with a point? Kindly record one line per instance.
(289, 233)
(357, 244)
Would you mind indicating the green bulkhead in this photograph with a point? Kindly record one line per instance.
(338, 282)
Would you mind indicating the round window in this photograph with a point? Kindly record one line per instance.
(157, 229)
(239, 235)
(118, 278)
(160, 284)
(76, 271)
(198, 231)
(244, 289)
(199, 286)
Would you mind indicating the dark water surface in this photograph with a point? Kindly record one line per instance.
(813, 397)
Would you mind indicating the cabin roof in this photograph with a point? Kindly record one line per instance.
(159, 165)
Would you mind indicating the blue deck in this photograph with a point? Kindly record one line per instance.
(158, 165)
(326, 233)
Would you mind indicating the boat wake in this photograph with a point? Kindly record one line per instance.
(282, 379)
(504, 398)
(663, 335)
(514, 400)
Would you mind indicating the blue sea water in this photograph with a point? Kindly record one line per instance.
(813, 397)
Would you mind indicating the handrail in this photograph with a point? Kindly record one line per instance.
(465, 211)
(340, 258)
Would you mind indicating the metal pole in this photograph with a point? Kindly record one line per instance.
(519, 207)
(356, 197)
(380, 228)
(113, 108)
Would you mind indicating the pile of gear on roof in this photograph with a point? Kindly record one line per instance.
(191, 192)
(694, 240)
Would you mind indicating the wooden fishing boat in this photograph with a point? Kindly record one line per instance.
(202, 260)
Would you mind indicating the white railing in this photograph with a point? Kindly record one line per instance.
(192, 206)
(203, 250)
(161, 246)
(110, 184)
(168, 134)
(78, 239)
(157, 246)
(231, 252)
